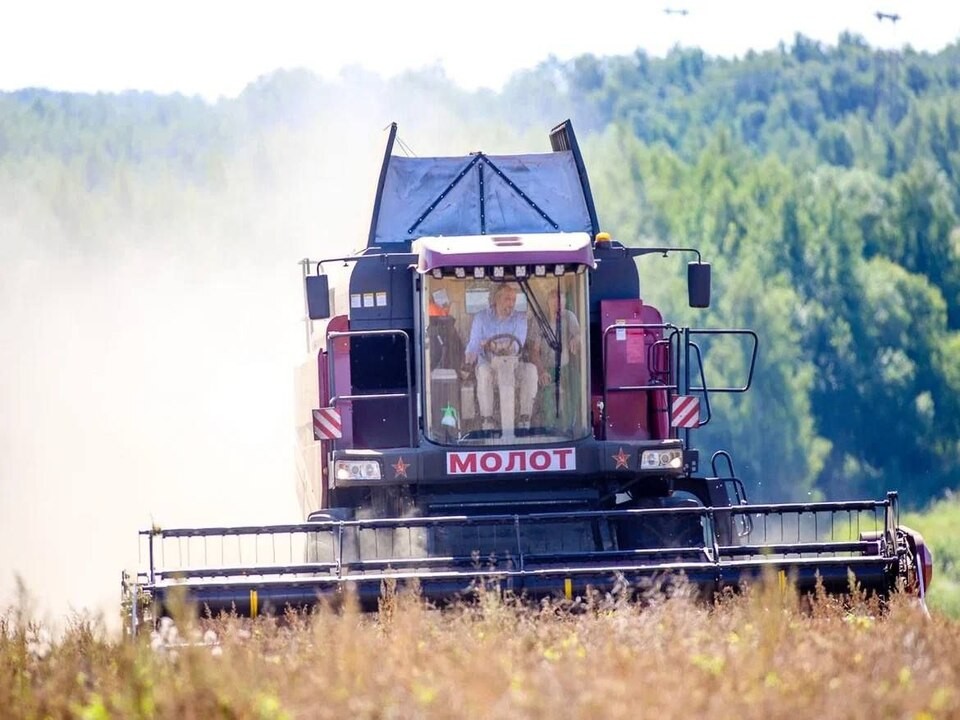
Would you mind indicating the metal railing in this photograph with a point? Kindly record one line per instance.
(409, 395)
(562, 542)
(679, 347)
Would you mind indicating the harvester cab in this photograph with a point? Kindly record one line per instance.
(486, 395)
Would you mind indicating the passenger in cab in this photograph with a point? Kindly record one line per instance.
(555, 350)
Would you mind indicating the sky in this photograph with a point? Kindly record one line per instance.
(215, 47)
(154, 385)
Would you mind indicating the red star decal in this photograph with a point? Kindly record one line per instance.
(623, 460)
(400, 468)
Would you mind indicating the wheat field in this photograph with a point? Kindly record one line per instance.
(764, 653)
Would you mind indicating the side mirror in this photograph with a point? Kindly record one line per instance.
(318, 296)
(698, 284)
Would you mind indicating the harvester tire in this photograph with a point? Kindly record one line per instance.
(661, 531)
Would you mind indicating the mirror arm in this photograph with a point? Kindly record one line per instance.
(392, 260)
(636, 252)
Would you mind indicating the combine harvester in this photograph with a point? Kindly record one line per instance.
(488, 398)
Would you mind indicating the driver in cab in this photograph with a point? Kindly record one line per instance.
(496, 339)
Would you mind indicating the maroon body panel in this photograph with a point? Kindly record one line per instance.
(627, 414)
(633, 358)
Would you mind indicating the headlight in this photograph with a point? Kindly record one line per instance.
(661, 459)
(357, 470)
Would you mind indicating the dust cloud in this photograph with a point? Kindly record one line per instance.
(146, 368)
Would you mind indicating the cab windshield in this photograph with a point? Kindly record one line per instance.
(505, 359)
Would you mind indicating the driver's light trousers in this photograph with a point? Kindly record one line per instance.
(525, 376)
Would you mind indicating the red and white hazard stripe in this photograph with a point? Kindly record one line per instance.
(685, 412)
(327, 424)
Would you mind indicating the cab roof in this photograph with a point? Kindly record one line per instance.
(520, 249)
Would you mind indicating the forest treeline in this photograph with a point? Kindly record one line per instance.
(821, 181)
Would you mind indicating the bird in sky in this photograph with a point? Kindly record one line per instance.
(892, 17)
(676, 11)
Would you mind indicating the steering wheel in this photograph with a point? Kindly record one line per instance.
(495, 345)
